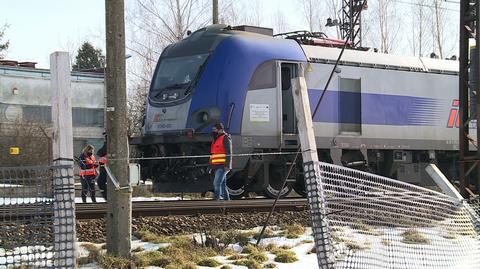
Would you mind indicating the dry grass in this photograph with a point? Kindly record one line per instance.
(259, 257)
(182, 253)
(108, 261)
(235, 257)
(209, 262)
(286, 256)
(228, 252)
(293, 230)
(386, 242)
(413, 236)
(272, 247)
(250, 249)
(268, 233)
(250, 264)
(353, 245)
(270, 265)
(89, 246)
(93, 254)
(363, 228)
(152, 258)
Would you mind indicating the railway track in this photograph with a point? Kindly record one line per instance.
(28, 212)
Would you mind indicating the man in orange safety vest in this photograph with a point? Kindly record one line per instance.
(221, 161)
(88, 172)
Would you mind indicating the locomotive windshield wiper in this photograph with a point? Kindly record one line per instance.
(197, 77)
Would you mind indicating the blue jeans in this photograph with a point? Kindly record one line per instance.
(220, 184)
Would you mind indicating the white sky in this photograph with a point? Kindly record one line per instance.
(38, 28)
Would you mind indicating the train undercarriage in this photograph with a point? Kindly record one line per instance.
(263, 172)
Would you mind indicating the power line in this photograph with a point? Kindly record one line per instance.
(426, 5)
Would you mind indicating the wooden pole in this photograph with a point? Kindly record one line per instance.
(61, 108)
(119, 213)
(315, 193)
(62, 149)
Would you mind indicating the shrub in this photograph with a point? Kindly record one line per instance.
(235, 257)
(268, 233)
(209, 262)
(249, 249)
(154, 258)
(293, 230)
(108, 261)
(259, 257)
(272, 247)
(270, 265)
(286, 256)
(89, 246)
(413, 236)
(250, 264)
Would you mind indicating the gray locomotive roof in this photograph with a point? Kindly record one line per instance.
(379, 60)
(204, 40)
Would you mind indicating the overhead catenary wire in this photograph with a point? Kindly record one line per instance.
(428, 5)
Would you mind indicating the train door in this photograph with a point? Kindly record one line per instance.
(287, 115)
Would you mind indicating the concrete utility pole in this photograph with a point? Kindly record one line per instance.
(315, 192)
(62, 143)
(215, 12)
(119, 213)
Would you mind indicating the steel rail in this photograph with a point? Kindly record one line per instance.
(28, 212)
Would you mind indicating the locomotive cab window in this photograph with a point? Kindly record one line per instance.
(264, 77)
(175, 75)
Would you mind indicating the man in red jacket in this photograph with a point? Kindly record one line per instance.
(221, 161)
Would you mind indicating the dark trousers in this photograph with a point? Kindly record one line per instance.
(88, 185)
(102, 182)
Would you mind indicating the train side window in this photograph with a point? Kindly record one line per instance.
(264, 77)
(350, 106)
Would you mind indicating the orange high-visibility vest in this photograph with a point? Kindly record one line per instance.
(91, 171)
(219, 153)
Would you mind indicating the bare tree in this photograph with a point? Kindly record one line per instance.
(228, 13)
(32, 139)
(313, 15)
(171, 19)
(388, 24)
(438, 26)
(280, 25)
(334, 8)
(255, 13)
(420, 19)
(152, 25)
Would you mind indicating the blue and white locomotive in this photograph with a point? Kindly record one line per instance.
(383, 113)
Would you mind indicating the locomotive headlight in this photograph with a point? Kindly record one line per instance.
(173, 96)
(204, 116)
(169, 96)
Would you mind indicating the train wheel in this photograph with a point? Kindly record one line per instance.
(272, 191)
(236, 187)
(299, 188)
(277, 175)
